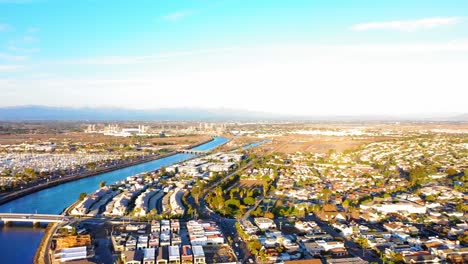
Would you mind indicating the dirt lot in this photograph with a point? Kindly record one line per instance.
(98, 138)
(249, 183)
(317, 144)
(290, 143)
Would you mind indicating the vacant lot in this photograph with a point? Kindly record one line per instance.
(249, 183)
(75, 137)
(312, 143)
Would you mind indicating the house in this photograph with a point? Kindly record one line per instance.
(198, 255)
(174, 255)
(132, 257)
(421, 257)
(304, 261)
(313, 248)
(453, 255)
(339, 252)
(186, 254)
(149, 256)
(163, 255)
(264, 223)
(353, 260)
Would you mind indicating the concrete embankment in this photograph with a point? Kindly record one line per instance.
(17, 194)
(42, 256)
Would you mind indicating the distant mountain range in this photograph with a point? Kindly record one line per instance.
(192, 114)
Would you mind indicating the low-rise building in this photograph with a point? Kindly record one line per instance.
(264, 223)
(198, 255)
(174, 255)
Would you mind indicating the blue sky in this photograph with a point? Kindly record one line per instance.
(301, 57)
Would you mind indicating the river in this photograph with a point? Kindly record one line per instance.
(19, 243)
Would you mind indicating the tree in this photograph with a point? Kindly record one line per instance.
(82, 196)
(398, 258)
(345, 204)
(417, 175)
(363, 242)
(463, 238)
(325, 193)
(30, 173)
(102, 184)
(249, 201)
(233, 202)
(269, 215)
(265, 188)
(451, 171)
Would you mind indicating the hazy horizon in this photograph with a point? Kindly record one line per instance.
(36, 112)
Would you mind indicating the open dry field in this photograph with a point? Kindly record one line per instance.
(314, 144)
(289, 142)
(249, 183)
(78, 137)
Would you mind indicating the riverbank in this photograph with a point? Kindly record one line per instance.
(41, 256)
(17, 194)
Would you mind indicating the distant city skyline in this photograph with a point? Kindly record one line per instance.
(289, 57)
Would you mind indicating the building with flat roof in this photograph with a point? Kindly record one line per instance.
(186, 254)
(149, 256)
(264, 223)
(174, 255)
(132, 257)
(198, 255)
(74, 253)
(163, 255)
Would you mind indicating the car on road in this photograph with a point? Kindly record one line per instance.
(237, 245)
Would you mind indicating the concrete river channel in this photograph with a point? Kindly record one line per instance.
(18, 243)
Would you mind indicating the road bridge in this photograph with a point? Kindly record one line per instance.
(33, 218)
(194, 152)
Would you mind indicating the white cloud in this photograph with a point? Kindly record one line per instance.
(314, 50)
(409, 25)
(30, 39)
(124, 60)
(9, 68)
(10, 57)
(177, 16)
(23, 50)
(5, 27)
(32, 30)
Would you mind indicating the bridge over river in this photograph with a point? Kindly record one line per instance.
(193, 152)
(33, 218)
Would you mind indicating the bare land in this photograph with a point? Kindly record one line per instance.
(79, 137)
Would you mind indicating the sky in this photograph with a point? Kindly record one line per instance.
(397, 57)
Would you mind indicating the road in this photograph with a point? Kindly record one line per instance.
(227, 224)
